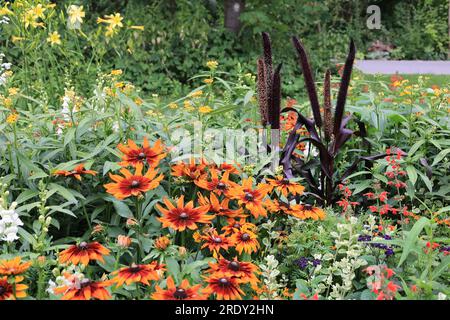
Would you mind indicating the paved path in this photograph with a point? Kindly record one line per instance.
(403, 66)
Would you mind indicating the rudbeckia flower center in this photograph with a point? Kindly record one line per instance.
(135, 184)
(180, 294)
(134, 268)
(308, 207)
(221, 185)
(285, 181)
(234, 265)
(223, 281)
(245, 237)
(141, 156)
(84, 283)
(83, 245)
(248, 196)
(183, 215)
(217, 240)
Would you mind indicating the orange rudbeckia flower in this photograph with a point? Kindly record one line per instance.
(216, 185)
(235, 226)
(182, 292)
(133, 184)
(214, 241)
(84, 289)
(142, 273)
(76, 172)
(11, 291)
(183, 216)
(14, 266)
(278, 206)
(224, 287)
(228, 167)
(83, 253)
(133, 154)
(190, 171)
(285, 186)
(244, 271)
(307, 211)
(251, 198)
(245, 240)
(219, 208)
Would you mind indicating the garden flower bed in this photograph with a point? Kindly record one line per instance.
(232, 191)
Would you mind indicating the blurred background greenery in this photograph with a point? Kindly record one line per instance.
(180, 35)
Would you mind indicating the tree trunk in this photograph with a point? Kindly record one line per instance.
(233, 10)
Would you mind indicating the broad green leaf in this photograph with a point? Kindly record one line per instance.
(412, 174)
(122, 209)
(411, 238)
(441, 155)
(443, 266)
(427, 181)
(26, 195)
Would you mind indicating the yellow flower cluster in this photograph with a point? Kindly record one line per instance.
(113, 23)
(32, 16)
(212, 64)
(12, 118)
(196, 94)
(205, 109)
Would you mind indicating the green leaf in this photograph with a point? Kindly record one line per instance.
(441, 155)
(26, 195)
(412, 174)
(411, 238)
(110, 166)
(443, 266)
(122, 209)
(173, 267)
(415, 147)
(69, 136)
(65, 193)
(27, 236)
(427, 181)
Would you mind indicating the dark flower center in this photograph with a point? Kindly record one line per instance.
(245, 237)
(134, 184)
(217, 240)
(223, 281)
(308, 207)
(184, 215)
(83, 245)
(248, 196)
(285, 181)
(84, 283)
(234, 265)
(2, 290)
(141, 156)
(134, 269)
(180, 294)
(221, 185)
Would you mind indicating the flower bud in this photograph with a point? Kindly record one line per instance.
(123, 241)
(162, 243)
(131, 222)
(182, 251)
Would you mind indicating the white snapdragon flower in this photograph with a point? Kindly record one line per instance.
(9, 223)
